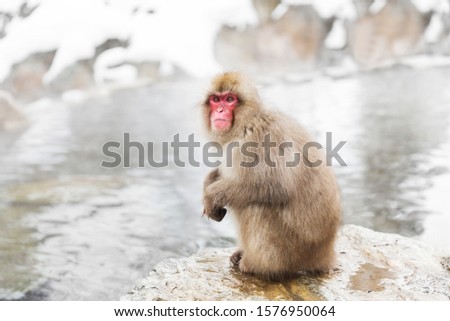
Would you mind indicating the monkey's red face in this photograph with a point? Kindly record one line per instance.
(221, 110)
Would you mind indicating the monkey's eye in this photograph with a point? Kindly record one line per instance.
(215, 99)
(230, 99)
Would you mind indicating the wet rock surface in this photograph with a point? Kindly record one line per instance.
(26, 78)
(370, 266)
(10, 116)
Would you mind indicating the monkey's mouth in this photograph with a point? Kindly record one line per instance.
(221, 123)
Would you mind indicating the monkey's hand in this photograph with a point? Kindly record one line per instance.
(214, 202)
(217, 215)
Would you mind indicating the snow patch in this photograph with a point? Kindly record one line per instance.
(328, 8)
(10, 6)
(435, 30)
(426, 61)
(177, 31)
(436, 5)
(337, 38)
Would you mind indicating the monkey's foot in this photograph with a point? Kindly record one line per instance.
(236, 257)
(318, 272)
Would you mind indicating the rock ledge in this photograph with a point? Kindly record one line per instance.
(371, 266)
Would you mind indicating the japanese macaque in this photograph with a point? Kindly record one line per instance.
(287, 216)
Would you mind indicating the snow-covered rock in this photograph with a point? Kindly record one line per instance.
(52, 44)
(26, 79)
(293, 42)
(393, 30)
(180, 32)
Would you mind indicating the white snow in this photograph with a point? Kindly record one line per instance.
(183, 34)
(178, 32)
(109, 67)
(427, 5)
(10, 5)
(435, 30)
(75, 28)
(174, 32)
(106, 61)
(377, 6)
(422, 5)
(426, 61)
(337, 38)
(327, 8)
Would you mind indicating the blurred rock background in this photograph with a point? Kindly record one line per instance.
(96, 42)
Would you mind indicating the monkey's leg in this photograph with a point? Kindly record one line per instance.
(268, 252)
(235, 258)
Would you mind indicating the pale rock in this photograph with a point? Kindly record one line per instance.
(370, 266)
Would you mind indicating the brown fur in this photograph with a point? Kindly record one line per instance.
(287, 216)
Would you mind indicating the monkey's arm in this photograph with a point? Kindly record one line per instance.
(219, 212)
(243, 193)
